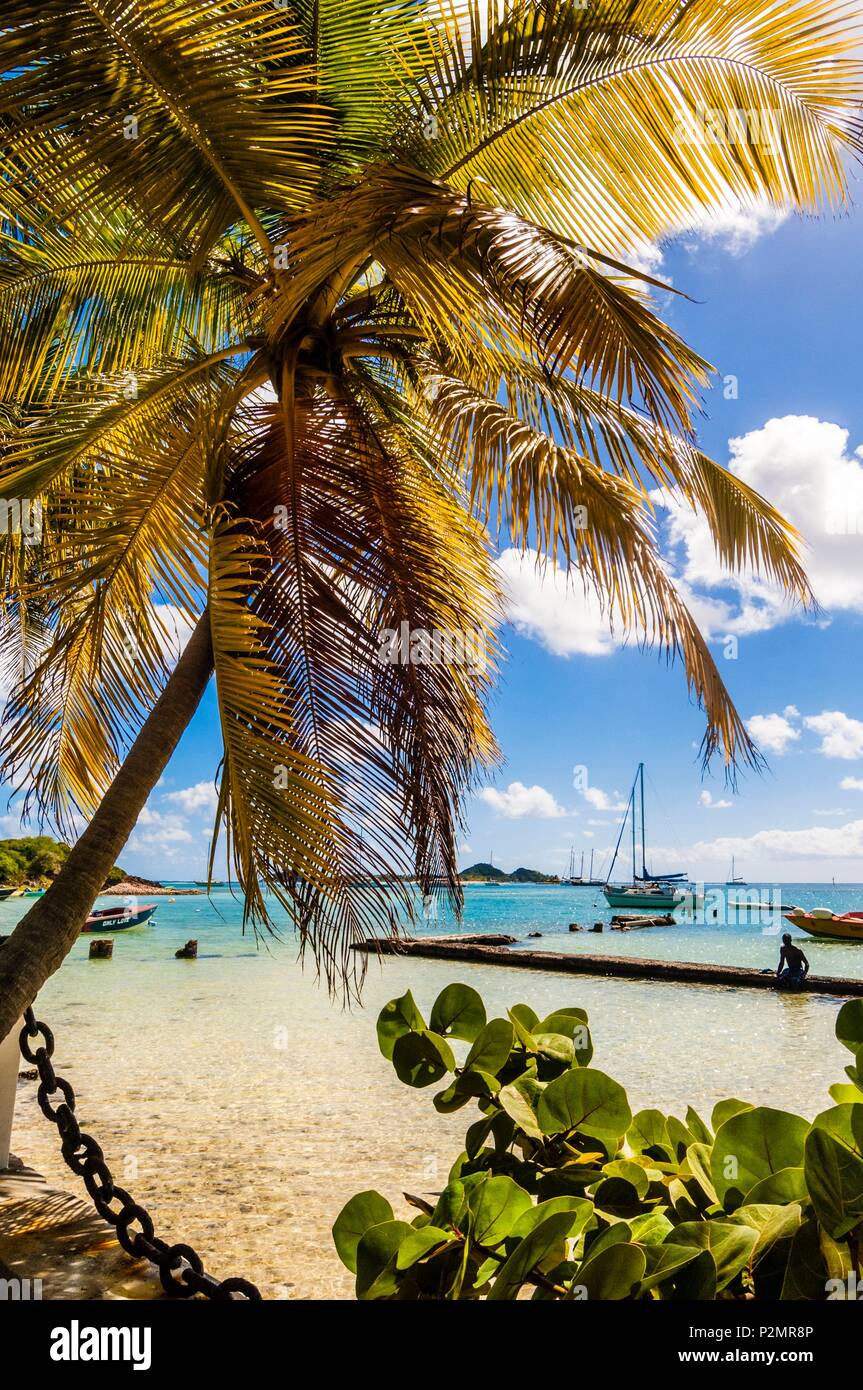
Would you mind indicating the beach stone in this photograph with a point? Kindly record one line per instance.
(101, 950)
(573, 926)
(597, 926)
(187, 952)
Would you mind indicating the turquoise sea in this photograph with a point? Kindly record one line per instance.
(244, 1107)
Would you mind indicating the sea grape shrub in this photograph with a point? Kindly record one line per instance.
(562, 1193)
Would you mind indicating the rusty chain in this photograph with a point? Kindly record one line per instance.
(180, 1267)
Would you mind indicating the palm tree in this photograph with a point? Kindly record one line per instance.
(298, 299)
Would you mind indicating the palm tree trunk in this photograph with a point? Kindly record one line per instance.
(44, 936)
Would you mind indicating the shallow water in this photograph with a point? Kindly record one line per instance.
(243, 1109)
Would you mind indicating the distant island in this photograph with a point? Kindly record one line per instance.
(487, 873)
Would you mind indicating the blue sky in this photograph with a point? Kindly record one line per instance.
(778, 308)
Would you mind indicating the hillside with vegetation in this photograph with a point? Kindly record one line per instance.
(487, 873)
(34, 861)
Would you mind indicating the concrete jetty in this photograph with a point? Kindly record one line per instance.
(495, 950)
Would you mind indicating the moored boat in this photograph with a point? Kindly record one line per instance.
(821, 921)
(656, 895)
(118, 918)
(657, 891)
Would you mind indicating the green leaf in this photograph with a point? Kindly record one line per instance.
(665, 1262)
(834, 1176)
(788, 1185)
(525, 1015)
(421, 1059)
(528, 1254)
(467, 1086)
(696, 1282)
(581, 1209)
(458, 1012)
(496, 1204)
(617, 1197)
(562, 1021)
(523, 1035)
(697, 1127)
(849, 1024)
(492, 1047)
(556, 1047)
(376, 1259)
(752, 1145)
(363, 1211)
(613, 1274)
(724, 1109)
(477, 1134)
(806, 1272)
(420, 1244)
(729, 1244)
(649, 1131)
(698, 1162)
(772, 1222)
(633, 1173)
(572, 1024)
(520, 1100)
(396, 1018)
(846, 1093)
(451, 1205)
(650, 1229)
(584, 1100)
(845, 1123)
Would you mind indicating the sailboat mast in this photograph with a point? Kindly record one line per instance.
(590, 870)
(643, 845)
(634, 871)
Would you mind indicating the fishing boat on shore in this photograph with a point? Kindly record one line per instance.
(118, 918)
(660, 892)
(822, 921)
(11, 893)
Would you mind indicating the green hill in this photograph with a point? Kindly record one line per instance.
(34, 860)
(487, 873)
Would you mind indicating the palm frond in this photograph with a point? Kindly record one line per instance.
(617, 121)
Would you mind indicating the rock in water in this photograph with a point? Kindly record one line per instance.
(187, 952)
(101, 950)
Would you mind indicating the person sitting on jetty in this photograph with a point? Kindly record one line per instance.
(793, 966)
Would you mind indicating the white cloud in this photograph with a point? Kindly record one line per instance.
(851, 784)
(706, 799)
(813, 842)
(201, 797)
(559, 614)
(156, 830)
(519, 801)
(772, 732)
(841, 736)
(603, 801)
(803, 466)
(737, 226)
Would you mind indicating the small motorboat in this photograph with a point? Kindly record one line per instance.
(119, 918)
(822, 921)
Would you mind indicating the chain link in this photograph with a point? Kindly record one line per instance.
(181, 1269)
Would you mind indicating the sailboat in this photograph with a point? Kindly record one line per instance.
(573, 879)
(590, 880)
(660, 891)
(735, 880)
